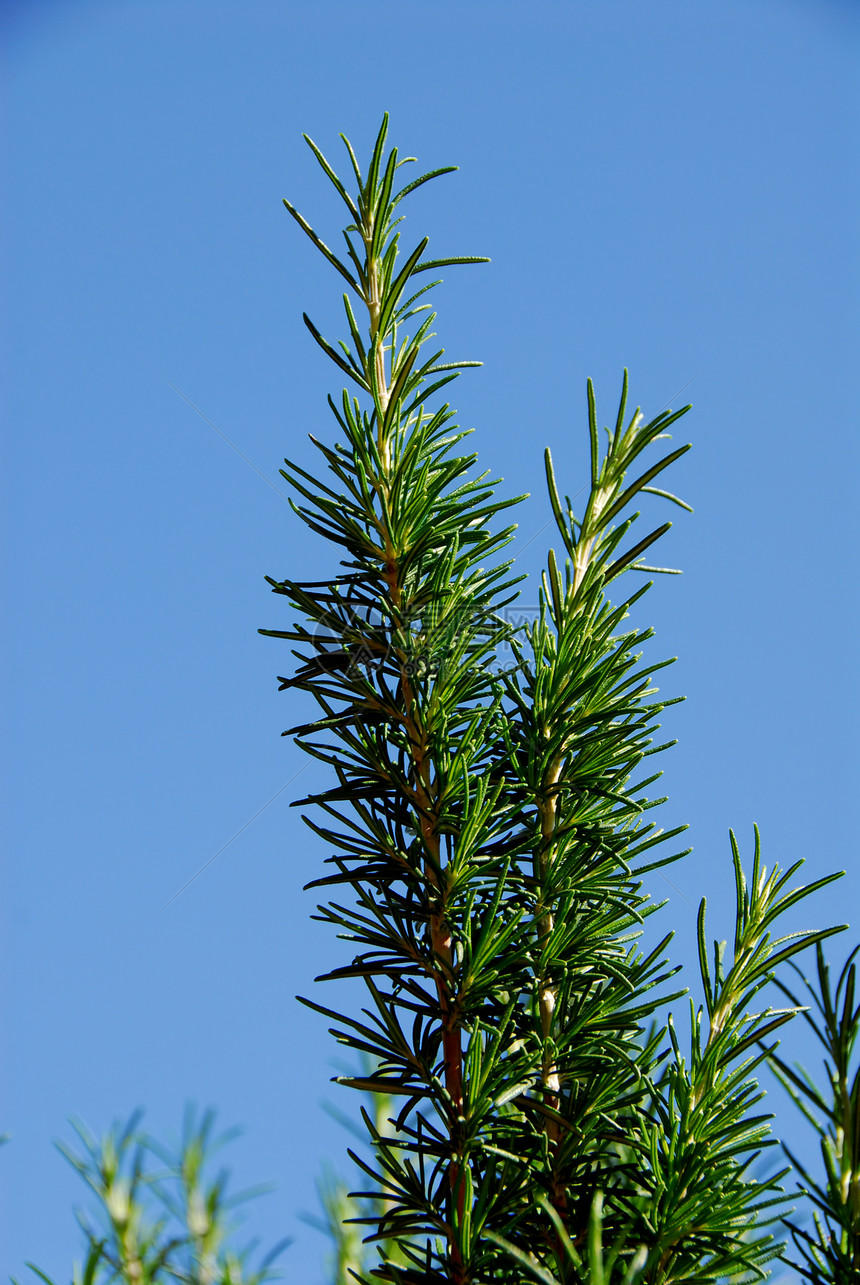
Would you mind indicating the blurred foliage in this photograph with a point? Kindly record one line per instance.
(829, 1253)
(160, 1216)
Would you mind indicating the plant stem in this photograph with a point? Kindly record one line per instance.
(550, 1076)
(424, 800)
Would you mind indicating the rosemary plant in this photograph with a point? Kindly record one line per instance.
(161, 1217)
(491, 836)
(830, 1251)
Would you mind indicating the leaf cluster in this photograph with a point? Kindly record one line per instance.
(491, 837)
(830, 1250)
(160, 1216)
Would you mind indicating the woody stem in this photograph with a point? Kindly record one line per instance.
(424, 800)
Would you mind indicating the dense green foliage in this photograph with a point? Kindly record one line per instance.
(490, 831)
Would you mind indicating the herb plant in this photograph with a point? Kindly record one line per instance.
(830, 1250)
(490, 835)
(161, 1216)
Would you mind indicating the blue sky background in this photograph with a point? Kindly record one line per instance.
(670, 186)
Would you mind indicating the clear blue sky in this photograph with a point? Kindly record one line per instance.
(670, 186)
